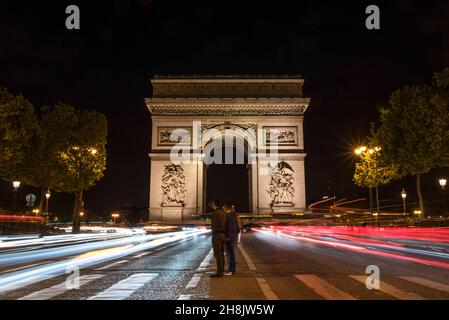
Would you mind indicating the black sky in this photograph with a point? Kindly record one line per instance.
(107, 65)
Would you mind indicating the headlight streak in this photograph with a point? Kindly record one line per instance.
(310, 234)
(16, 279)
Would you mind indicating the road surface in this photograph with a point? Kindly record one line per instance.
(288, 263)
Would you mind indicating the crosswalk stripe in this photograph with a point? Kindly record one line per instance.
(125, 288)
(428, 283)
(323, 288)
(392, 290)
(58, 289)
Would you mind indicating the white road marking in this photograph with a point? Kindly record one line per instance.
(193, 283)
(248, 260)
(25, 267)
(266, 289)
(125, 288)
(142, 254)
(428, 283)
(323, 288)
(185, 297)
(206, 262)
(112, 265)
(58, 289)
(392, 290)
(25, 282)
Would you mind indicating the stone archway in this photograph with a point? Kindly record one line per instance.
(229, 180)
(190, 112)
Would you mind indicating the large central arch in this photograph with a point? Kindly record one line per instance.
(266, 113)
(230, 179)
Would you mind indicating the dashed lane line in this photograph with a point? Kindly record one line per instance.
(266, 289)
(248, 260)
(111, 265)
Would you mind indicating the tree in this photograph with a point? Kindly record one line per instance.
(414, 128)
(18, 126)
(81, 151)
(371, 170)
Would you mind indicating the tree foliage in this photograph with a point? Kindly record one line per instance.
(18, 126)
(413, 130)
(64, 149)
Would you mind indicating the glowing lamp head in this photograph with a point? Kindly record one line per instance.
(443, 183)
(360, 150)
(81, 214)
(403, 194)
(47, 194)
(93, 151)
(16, 184)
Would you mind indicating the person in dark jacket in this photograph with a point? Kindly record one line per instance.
(218, 236)
(232, 231)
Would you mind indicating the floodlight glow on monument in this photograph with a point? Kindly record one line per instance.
(264, 112)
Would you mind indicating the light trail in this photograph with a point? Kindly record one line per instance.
(21, 278)
(361, 240)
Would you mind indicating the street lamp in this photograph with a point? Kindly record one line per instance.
(404, 195)
(47, 197)
(443, 183)
(15, 185)
(115, 216)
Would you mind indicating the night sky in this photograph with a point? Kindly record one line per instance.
(107, 65)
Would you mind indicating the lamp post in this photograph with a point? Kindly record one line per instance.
(443, 183)
(16, 185)
(404, 195)
(114, 217)
(47, 198)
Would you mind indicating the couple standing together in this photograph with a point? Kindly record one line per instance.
(225, 233)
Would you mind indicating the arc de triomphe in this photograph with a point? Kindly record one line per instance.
(191, 113)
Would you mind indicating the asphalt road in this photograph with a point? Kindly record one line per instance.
(283, 263)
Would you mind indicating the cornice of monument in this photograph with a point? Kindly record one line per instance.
(228, 106)
(227, 86)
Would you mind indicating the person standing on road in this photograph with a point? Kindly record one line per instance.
(232, 231)
(218, 236)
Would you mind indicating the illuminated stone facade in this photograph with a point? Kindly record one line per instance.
(265, 111)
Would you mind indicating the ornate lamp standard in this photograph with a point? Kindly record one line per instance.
(16, 185)
(404, 196)
(443, 183)
(47, 198)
